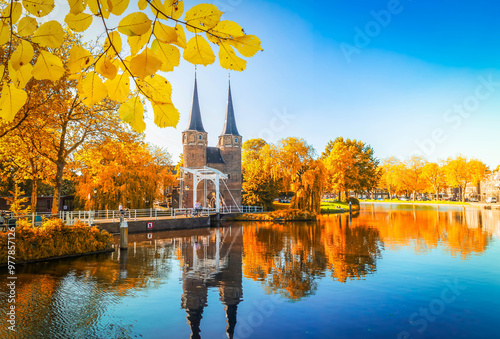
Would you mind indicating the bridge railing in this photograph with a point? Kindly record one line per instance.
(91, 217)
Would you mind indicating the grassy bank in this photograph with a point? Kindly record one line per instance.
(333, 206)
(52, 239)
(279, 215)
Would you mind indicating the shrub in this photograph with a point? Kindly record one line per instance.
(53, 239)
(285, 215)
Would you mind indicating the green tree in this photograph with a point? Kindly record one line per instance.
(260, 187)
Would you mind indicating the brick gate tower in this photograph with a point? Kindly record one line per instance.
(226, 157)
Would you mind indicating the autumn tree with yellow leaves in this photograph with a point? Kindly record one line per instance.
(351, 165)
(260, 186)
(412, 179)
(460, 171)
(391, 172)
(123, 170)
(434, 178)
(125, 67)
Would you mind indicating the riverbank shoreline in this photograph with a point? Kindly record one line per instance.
(467, 204)
(68, 256)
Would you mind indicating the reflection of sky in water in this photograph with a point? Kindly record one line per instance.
(358, 279)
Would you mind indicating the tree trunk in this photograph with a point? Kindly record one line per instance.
(437, 194)
(413, 195)
(57, 188)
(34, 189)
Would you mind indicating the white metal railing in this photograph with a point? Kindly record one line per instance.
(91, 217)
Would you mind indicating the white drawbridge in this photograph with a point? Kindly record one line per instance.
(208, 173)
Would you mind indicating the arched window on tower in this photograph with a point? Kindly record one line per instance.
(236, 140)
(200, 137)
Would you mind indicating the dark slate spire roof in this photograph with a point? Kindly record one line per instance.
(195, 123)
(230, 122)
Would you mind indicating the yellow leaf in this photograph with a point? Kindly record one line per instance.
(95, 5)
(49, 34)
(136, 43)
(105, 67)
(229, 60)
(142, 4)
(17, 10)
(26, 26)
(93, 90)
(136, 23)
(21, 77)
(168, 54)
(125, 65)
(2, 69)
(181, 36)
(166, 115)
(202, 17)
(78, 22)
(22, 55)
(12, 100)
(77, 6)
(39, 8)
(132, 112)
(117, 7)
(116, 41)
(118, 88)
(144, 64)
(199, 52)
(79, 58)
(165, 33)
(227, 29)
(4, 32)
(157, 88)
(48, 66)
(247, 45)
(174, 9)
(158, 9)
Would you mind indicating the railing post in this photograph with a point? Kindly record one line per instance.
(113, 215)
(150, 212)
(156, 214)
(135, 215)
(107, 213)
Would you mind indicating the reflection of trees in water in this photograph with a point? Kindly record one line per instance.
(352, 251)
(69, 297)
(290, 258)
(460, 232)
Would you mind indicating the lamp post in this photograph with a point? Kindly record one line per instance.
(95, 202)
(187, 195)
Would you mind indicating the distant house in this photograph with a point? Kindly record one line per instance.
(44, 203)
(490, 186)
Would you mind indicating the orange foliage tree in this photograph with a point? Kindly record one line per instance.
(126, 170)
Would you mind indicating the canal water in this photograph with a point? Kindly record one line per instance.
(397, 271)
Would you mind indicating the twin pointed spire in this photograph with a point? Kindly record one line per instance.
(230, 122)
(195, 123)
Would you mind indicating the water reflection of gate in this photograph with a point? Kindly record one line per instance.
(211, 261)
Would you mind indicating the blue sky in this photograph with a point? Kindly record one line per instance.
(418, 76)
